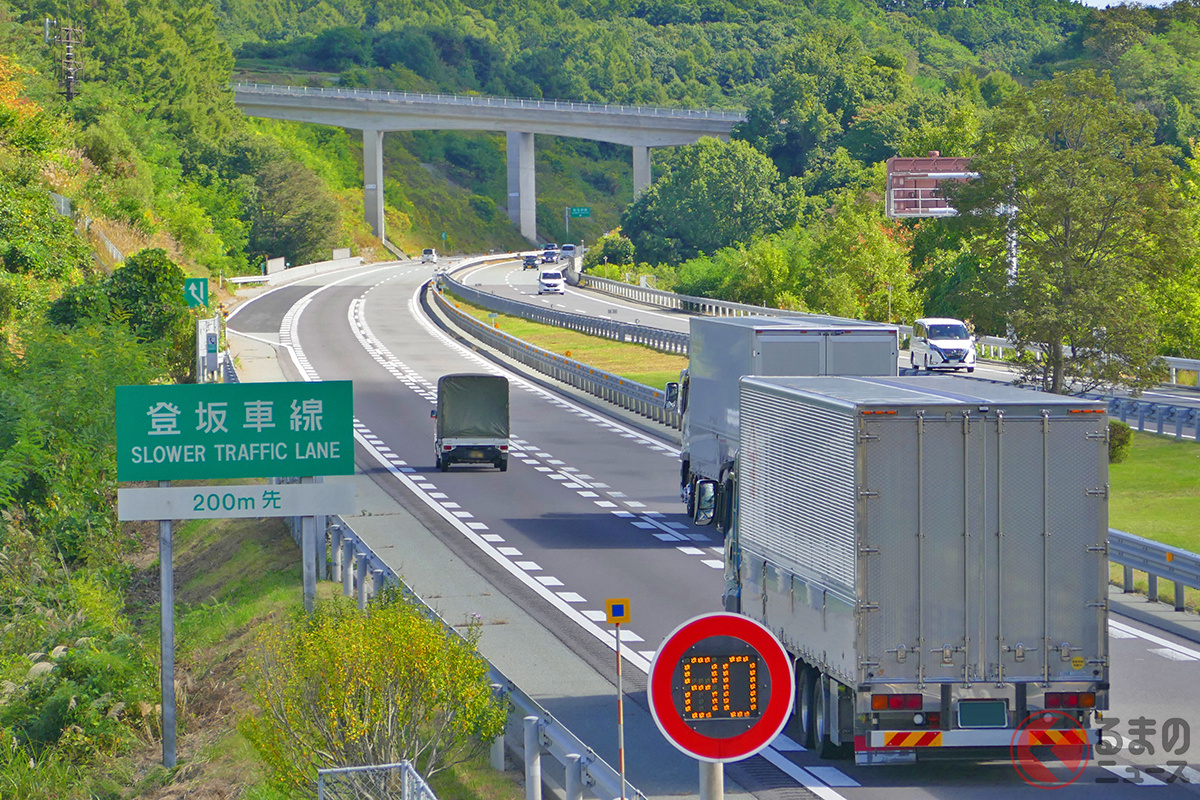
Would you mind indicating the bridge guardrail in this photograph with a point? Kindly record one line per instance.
(351, 561)
(659, 339)
(491, 102)
(637, 397)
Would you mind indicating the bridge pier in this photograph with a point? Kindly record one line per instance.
(373, 180)
(522, 192)
(641, 169)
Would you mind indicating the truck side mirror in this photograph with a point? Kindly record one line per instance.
(672, 394)
(706, 502)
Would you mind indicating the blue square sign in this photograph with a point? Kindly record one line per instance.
(617, 610)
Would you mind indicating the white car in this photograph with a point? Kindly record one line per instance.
(551, 280)
(941, 343)
(429, 256)
(567, 252)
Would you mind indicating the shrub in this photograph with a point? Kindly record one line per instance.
(342, 688)
(1120, 437)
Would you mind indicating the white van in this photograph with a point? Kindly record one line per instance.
(429, 256)
(941, 343)
(551, 280)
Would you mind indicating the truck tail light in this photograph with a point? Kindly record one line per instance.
(897, 702)
(447, 447)
(503, 448)
(1070, 699)
(935, 719)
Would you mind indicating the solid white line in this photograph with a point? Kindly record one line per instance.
(1178, 648)
(800, 775)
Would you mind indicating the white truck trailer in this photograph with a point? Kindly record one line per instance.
(722, 350)
(933, 553)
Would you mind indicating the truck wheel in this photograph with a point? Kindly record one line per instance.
(502, 465)
(970, 370)
(912, 360)
(805, 685)
(443, 464)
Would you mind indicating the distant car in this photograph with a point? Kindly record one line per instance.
(941, 343)
(429, 256)
(551, 280)
(567, 252)
(550, 254)
(531, 262)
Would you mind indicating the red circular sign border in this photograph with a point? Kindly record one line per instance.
(779, 705)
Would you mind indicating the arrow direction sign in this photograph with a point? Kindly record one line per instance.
(195, 292)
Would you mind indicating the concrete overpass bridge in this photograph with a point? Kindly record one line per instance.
(375, 113)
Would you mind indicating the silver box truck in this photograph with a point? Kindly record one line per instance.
(472, 420)
(722, 350)
(933, 552)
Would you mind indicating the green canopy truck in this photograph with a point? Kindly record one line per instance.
(472, 420)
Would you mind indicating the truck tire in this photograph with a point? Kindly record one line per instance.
(502, 464)
(806, 681)
(443, 464)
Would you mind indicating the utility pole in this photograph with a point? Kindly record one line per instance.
(70, 65)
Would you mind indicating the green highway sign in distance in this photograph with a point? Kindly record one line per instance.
(581, 211)
(195, 292)
(239, 430)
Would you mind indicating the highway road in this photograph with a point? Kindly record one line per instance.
(589, 509)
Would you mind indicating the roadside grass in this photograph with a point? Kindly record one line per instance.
(633, 361)
(1155, 493)
(231, 577)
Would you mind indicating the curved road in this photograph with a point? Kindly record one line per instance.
(589, 509)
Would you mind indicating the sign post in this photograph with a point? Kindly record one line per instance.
(721, 688)
(215, 431)
(617, 611)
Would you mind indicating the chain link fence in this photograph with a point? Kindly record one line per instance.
(377, 782)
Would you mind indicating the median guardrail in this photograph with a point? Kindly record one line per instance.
(636, 397)
(657, 338)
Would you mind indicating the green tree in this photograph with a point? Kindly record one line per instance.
(716, 194)
(343, 688)
(1097, 221)
(291, 213)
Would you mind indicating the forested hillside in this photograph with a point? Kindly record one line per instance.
(1083, 124)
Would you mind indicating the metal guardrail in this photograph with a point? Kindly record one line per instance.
(362, 572)
(637, 397)
(1146, 414)
(1157, 560)
(492, 102)
(990, 347)
(657, 338)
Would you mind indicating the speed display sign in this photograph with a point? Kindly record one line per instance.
(721, 687)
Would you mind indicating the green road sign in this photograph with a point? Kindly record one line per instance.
(443, 236)
(195, 292)
(240, 430)
(581, 211)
